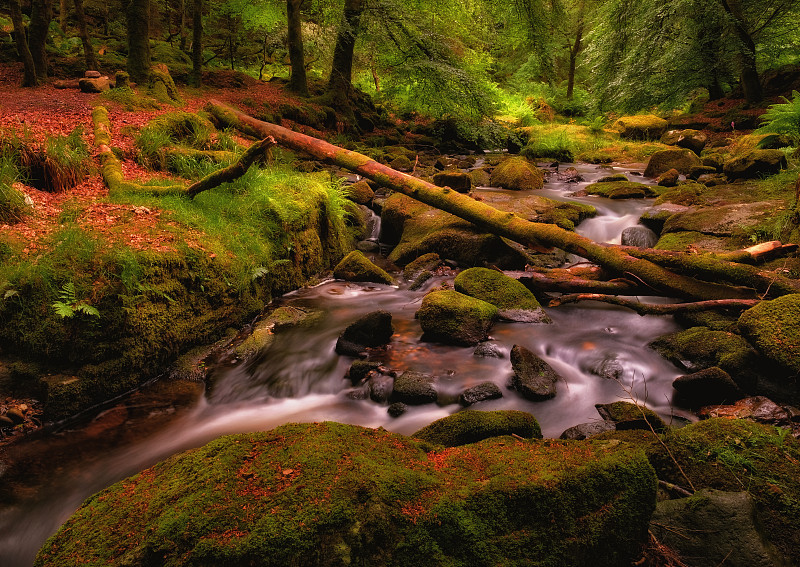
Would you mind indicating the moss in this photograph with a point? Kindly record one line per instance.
(733, 455)
(355, 267)
(698, 347)
(641, 127)
(517, 173)
(454, 318)
(471, 426)
(674, 158)
(774, 328)
(620, 190)
(496, 288)
(332, 494)
(627, 415)
(684, 240)
(687, 194)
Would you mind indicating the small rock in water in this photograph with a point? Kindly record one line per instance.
(479, 393)
(488, 350)
(380, 388)
(533, 378)
(397, 409)
(639, 236)
(414, 388)
(586, 430)
(372, 330)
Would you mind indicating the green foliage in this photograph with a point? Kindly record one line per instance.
(66, 161)
(130, 99)
(12, 202)
(554, 145)
(783, 118)
(68, 305)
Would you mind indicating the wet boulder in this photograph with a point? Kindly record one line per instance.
(533, 378)
(654, 217)
(774, 328)
(323, 494)
(756, 163)
(94, 84)
(612, 177)
(514, 301)
(708, 386)
(380, 388)
(721, 220)
(372, 330)
(488, 350)
(360, 192)
(450, 317)
(698, 348)
(361, 370)
(414, 388)
(620, 190)
(694, 140)
(669, 178)
(627, 415)
(758, 409)
(456, 180)
(680, 159)
(643, 127)
(480, 393)
(470, 426)
(355, 267)
(640, 236)
(714, 527)
(586, 430)
(517, 173)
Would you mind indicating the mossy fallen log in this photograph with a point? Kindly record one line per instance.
(233, 171)
(507, 225)
(657, 309)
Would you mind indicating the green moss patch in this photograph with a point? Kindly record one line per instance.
(471, 426)
(620, 190)
(517, 173)
(332, 494)
(774, 328)
(451, 317)
(513, 299)
(355, 267)
(641, 127)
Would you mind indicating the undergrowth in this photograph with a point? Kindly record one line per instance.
(13, 207)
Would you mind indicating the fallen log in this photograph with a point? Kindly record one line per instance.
(233, 171)
(539, 282)
(657, 309)
(485, 217)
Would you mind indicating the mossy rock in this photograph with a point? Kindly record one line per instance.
(620, 190)
(421, 229)
(360, 192)
(627, 415)
(533, 378)
(662, 161)
(517, 173)
(470, 426)
(686, 194)
(327, 494)
(514, 300)
(536, 208)
(279, 320)
(689, 240)
(401, 163)
(355, 267)
(161, 85)
(450, 317)
(727, 454)
(414, 388)
(723, 220)
(774, 328)
(641, 127)
(456, 180)
(613, 177)
(756, 163)
(698, 348)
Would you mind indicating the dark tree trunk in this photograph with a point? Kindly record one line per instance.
(182, 25)
(574, 50)
(41, 16)
(748, 75)
(197, 43)
(83, 31)
(298, 82)
(29, 77)
(137, 15)
(340, 82)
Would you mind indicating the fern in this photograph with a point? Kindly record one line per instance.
(783, 118)
(68, 304)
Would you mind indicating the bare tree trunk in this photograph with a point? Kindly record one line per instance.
(575, 49)
(197, 43)
(298, 82)
(485, 217)
(29, 69)
(41, 16)
(137, 15)
(340, 81)
(83, 31)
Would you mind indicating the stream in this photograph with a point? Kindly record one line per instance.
(301, 378)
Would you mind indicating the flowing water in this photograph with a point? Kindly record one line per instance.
(300, 378)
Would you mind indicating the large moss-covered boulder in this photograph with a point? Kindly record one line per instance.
(698, 348)
(674, 158)
(774, 328)
(418, 229)
(355, 267)
(620, 190)
(756, 163)
(327, 494)
(643, 127)
(470, 426)
(517, 173)
(456, 180)
(450, 317)
(514, 300)
(727, 454)
(722, 220)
